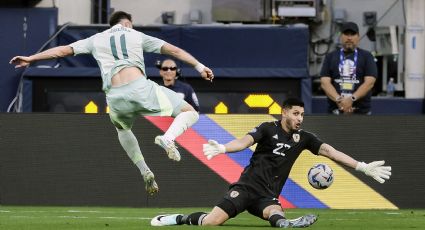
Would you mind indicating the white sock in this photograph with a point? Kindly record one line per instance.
(131, 146)
(181, 123)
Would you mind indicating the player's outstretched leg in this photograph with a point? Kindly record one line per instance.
(181, 123)
(179, 219)
(150, 183)
(169, 146)
(300, 222)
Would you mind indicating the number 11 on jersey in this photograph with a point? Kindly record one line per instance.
(114, 47)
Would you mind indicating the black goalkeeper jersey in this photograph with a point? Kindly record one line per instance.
(274, 157)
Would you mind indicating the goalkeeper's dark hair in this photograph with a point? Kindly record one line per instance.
(117, 16)
(288, 103)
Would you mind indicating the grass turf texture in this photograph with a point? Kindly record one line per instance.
(34, 218)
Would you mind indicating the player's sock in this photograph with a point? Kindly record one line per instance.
(181, 123)
(131, 146)
(276, 219)
(191, 219)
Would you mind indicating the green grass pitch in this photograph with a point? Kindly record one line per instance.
(91, 218)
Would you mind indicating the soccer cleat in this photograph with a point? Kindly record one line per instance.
(300, 222)
(150, 184)
(165, 220)
(169, 147)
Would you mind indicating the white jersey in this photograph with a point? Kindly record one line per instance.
(117, 48)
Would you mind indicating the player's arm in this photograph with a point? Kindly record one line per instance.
(338, 156)
(330, 91)
(182, 55)
(375, 169)
(56, 52)
(213, 148)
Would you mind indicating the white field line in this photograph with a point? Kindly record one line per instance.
(82, 217)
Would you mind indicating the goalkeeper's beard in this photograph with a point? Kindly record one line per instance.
(292, 125)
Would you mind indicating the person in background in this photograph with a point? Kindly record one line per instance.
(348, 75)
(170, 73)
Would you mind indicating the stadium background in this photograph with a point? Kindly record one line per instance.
(75, 159)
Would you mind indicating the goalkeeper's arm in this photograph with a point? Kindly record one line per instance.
(239, 144)
(213, 148)
(375, 169)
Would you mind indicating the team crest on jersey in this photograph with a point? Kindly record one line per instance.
(234, 194)
(296, 137)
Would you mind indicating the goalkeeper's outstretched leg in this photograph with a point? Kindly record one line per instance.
(218, 216)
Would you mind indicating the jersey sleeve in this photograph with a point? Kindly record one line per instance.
(313, 143)
(371, 69)
(152, 44)
(84, 46)
(326, 68)
(258, 132)
(191, 97)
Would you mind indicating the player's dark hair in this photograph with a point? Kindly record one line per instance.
(288, 103)
(117, 16)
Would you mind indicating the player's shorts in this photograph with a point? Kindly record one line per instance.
(141, 97)
(239, 198)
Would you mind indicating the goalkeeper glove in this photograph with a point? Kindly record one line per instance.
(376, 170)
(213, 148)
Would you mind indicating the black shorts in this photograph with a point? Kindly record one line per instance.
(239, 198)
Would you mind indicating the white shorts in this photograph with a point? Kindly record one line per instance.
(141, 97)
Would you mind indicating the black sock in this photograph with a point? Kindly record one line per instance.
(276, 219)
(192, 219)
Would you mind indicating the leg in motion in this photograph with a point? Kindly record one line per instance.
(181, 123)
(131, 146)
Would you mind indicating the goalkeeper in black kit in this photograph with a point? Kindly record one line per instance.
(279, 143)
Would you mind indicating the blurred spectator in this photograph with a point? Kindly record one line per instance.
(390, 87)
(170, 73)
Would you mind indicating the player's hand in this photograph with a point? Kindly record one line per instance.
(376, 170)
(212, 149)
(207, 74)
(20, 61)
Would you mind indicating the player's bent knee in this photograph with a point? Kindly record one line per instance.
(273, 210)
(216, 217)
(187, 107)
(208, 221)
(195, 115)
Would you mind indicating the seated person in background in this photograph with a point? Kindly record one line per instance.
(170, 73)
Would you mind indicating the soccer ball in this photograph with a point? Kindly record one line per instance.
(320, 176)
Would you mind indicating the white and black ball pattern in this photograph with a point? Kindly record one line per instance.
(320, 176)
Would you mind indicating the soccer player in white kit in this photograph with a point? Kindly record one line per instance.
(119, 54)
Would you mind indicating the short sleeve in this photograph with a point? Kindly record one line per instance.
(258, 132)
(152, 44)
(371, 69)
(84, 46)
(326, 69)
(313, 143)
